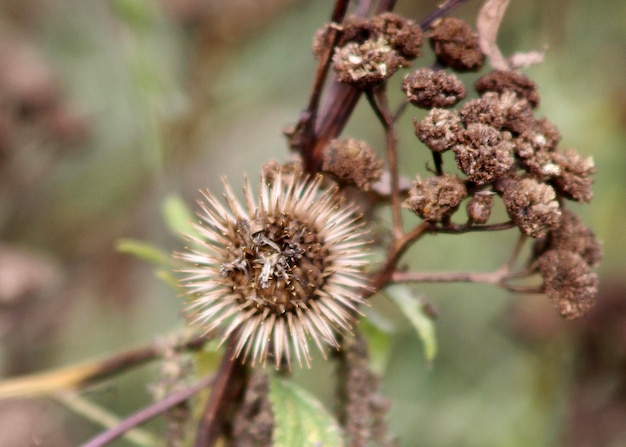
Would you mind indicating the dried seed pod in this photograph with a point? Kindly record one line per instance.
(479, 207)
(569, 282)
(427, 88)
(519, 116)
(484, 153)
(532, 205)
(404, 35)
(456, 45)
(439, 130)
(500, 81)
(436, 198)
(352, 162)
(574, 178)
(485, 110)
(367, 64)
(573, 235)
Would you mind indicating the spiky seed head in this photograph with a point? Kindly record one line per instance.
(282, 270)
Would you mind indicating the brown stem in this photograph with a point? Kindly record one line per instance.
(378, 101)
(442, 10)
(452, 228)
(227, 390)
(78, 376)
(148, 413)
(384, 274)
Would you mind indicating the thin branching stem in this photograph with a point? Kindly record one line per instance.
(78, 376)
(378, 101)
(148, 413)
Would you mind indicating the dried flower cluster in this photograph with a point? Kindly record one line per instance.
(503, 150)
(372, 50)
(279, 272)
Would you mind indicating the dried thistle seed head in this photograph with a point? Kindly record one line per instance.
(284, 269)
(436, 198)
(427, 88)
(484, 153)
(532, 205)
(574, 236)
(479, 207)
(574, 178)
(439, 130)
(456, 45)
(404, 35)
(569, 283)
(500, 81)
(352, 162)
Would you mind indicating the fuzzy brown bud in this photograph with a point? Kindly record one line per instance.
(404, 35)
(574, 179)
(485, 110)
(439, 130)
(366, 64)
(573, 235)
(569, 283)
(352, 162)
(427, 88)
(273, 168)
(479, 207)
(484, 153)
(532, 205)
(500, 81)
(436, 198)
(518, 114)
(456, 45)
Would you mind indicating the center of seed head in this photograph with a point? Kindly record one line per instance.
(276, 261)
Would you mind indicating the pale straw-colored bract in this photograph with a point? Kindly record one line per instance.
(283, 270)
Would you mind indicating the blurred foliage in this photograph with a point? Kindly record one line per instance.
(123, 106)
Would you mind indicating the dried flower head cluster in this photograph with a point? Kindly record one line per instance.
(372, 50)
(278, 272)
(498, 143)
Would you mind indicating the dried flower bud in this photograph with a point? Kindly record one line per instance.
(531, 205)
(456, 45)
(484, 153)
(366, 64)
(500, 81)
(485, 110)
(352, 162)
(548, 132)
(279, 271)
(518, 113)
(573, 235)
(271, 169)
(479, 207)
(436, 198)
(574, 179)
(404, 35)
(439, 130)
(569, 283)
(427, 88)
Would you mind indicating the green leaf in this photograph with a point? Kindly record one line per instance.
(300, 419)
(413, 309)
(178, 217)
(143, 250)
(377, 330)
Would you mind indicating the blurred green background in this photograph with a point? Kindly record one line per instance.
(108, 108)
